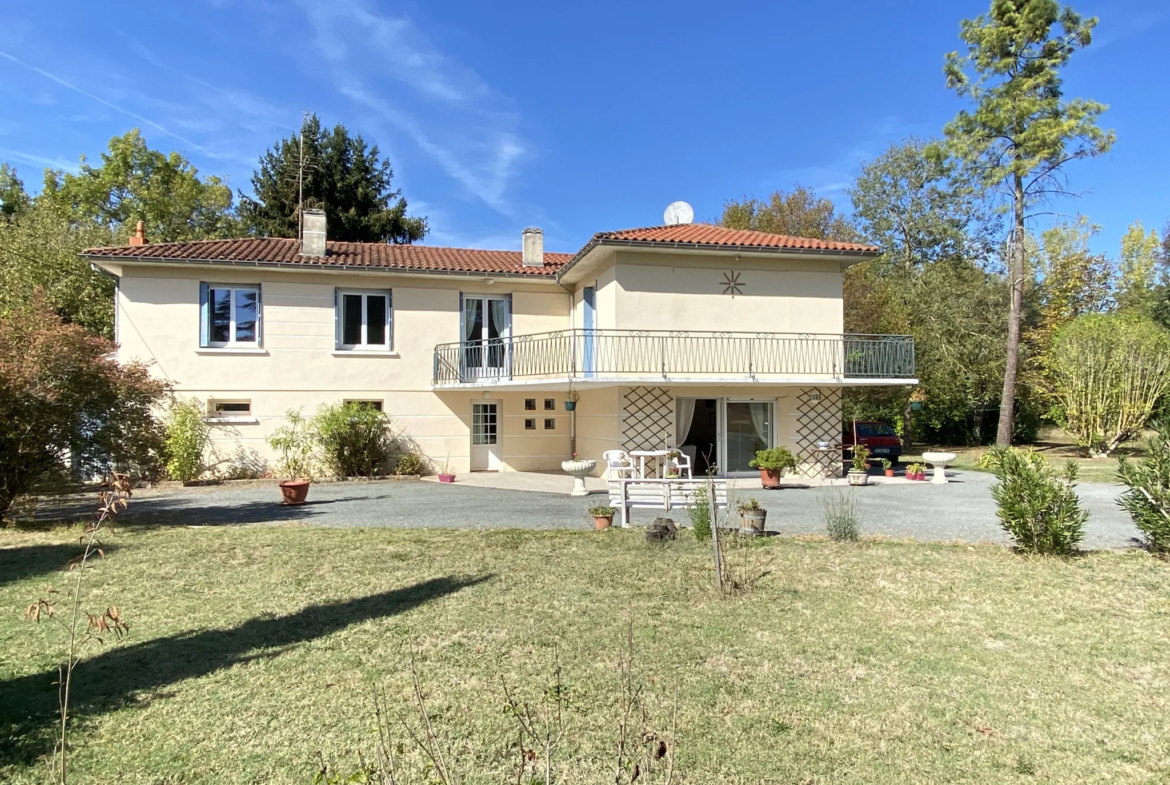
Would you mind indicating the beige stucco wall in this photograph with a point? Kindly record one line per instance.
(158, 322)
(658, 291)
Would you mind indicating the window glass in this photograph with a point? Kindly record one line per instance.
(351, 326)
(246, 308)
(232, 407)
(221, 315)
(376, 319)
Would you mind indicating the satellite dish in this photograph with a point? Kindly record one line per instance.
(678, 213)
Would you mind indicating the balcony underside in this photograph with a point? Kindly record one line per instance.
(504, 384)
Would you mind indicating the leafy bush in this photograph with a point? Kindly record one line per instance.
(842, 518)
(601, 511)
(186, 440)
(409, 463)
(1148, 498)
(1037, 508)
(1108, 371)
(355, 439)
(60, 394)
(860, 458)
(777, 459)
(295, 442)
(700, 514)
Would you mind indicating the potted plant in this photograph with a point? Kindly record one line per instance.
(859, 471)
(602, 517)
(294, 442)
(571, 399)
(915, 471)
(772, 465)
(751, 517)
(888, 467)
(917, 398)
(445, 474)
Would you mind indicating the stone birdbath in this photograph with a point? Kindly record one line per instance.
(939, 461)
(578, 469)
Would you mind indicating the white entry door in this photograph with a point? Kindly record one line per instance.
(485, 436)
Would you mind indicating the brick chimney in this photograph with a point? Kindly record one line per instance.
(139, 236)
(533, 254)
(313, 233)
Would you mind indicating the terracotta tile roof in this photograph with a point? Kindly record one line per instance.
(286, 251)
(708, 234)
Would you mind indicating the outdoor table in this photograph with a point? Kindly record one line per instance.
(659, 457)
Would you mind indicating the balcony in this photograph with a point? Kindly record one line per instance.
(658, 357)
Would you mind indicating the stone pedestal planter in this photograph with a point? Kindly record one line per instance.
(858, 478)
(939, 461)
(578, 469)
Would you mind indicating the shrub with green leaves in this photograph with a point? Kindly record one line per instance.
(1036, 506)
(700, 514)
(295, 441)
(355, 439)
(1148, 498)
(187, 434)
(409, 463)
(776, 459)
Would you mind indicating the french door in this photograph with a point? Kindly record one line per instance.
(727, 431)
(485, 436)
(486, 327)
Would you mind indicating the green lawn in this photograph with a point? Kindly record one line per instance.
(253, 648)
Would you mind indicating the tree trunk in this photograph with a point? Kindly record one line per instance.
(1016, 280)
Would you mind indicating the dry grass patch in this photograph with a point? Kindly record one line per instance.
(253, 648)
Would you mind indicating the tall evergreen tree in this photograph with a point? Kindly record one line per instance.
(1021, 131)
(337, 172)
(13, 198)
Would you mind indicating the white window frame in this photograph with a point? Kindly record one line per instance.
(233, 288)
(214, 415)
(365, 345)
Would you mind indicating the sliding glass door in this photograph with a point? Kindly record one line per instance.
(486, 330)
(748, 427)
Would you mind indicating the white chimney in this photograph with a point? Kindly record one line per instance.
(313, 233)
(533, 255)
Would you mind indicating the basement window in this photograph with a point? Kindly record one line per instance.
(238, 412)
(530, 423)
(550, 424)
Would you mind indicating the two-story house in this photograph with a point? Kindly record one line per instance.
(716, 341)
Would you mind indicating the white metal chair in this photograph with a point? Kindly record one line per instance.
(682, 464)
(618, 465)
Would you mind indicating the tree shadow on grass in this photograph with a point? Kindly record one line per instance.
(188, 511)
(27, 561)
(116, 677)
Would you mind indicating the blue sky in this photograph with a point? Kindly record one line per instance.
(577, 118)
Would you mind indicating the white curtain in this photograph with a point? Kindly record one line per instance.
(471, 330)
(760, 421)
(684, 413)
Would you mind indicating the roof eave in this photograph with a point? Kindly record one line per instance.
(546, 277)
(852, 256)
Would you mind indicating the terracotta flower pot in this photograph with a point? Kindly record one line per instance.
(770, 478)
(446, 478)
(294, 492)
(889, 472)
(602, 521)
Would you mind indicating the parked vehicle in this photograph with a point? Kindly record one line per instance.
(879, 437)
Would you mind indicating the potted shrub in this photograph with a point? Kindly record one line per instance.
(888, 467)
(772, 465)
(571, 399)
(751, 517)
(859, 471)
(602, 517)
(916, 471)
(294, 442)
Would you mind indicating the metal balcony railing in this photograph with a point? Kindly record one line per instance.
(672, 355)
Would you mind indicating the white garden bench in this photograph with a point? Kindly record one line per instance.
(660, 494)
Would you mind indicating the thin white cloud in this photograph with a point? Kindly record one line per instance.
(471, 141)
(11, 155)
(108, 104)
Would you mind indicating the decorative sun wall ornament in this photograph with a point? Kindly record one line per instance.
(731, 284)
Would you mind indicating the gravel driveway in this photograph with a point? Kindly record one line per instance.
(960, 511)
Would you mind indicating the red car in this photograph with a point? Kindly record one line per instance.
(880, 438)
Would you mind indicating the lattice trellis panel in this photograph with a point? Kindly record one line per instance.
(818, 421)
(647, 419)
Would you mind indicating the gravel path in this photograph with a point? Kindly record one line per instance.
(960, 511)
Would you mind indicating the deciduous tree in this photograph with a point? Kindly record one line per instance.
(1021, 131)
(13, 198)
(1108, 372)
(1141, 269)
(1073, 279)
(335, 171)
(60, 393)
(796, 213)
